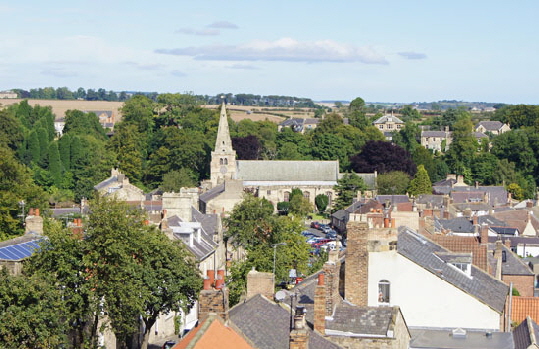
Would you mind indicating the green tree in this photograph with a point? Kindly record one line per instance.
(392, 183)
(421, 183)
(55, 165)
(321, 201)
(34, 147)
(128, 145)
(64, 148)
(300, 206)
(346, 190)
(32, 313)
(175, 180)
(516, 191)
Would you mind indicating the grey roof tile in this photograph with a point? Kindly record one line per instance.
(212, 193)
(361, 320)
(521, 334)
(422, 251)
(270, 170)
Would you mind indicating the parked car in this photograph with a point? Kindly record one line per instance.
(331, 234)
(169, 344)
(325, 228)
(313, 239)
(307, 233)
(315, 225)
(320, 243)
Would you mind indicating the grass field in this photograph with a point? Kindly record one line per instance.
(237, 112)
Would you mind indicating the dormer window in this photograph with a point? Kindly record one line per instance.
(459, 261)
(464, 267)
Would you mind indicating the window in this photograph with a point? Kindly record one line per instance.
(381, 127)
(329, 195)
(268, 192)
(389, 126)
(226, 161)
(399, 126)
(306, 195)
(220, 161)
(464, 267)
(286, 196)
(383, 291)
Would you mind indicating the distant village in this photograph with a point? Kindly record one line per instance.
(456, 266)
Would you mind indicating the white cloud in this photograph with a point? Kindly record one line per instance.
(59, 73)
(285, 49)
(178, 73)
(243, 67)
(412, 55)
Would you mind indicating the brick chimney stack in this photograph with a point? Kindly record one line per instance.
(320, 305)
(260, 283)
(356, 272)
(484, 234)
(332, 269)
(499, 260)
(299, 336)
(33, 222)
(213, 300)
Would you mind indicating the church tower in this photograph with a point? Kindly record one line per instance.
(223, 159)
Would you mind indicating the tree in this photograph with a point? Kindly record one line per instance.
(346, 190)
(421, 183)
(392, 183)
(247, 148)
(321, 201)
(32, 313)
(129, 146)
(175, 180)
(55, 165)
(382, 157)
(300, 205)
(516, 191)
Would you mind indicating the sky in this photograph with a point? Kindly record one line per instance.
(382, 51)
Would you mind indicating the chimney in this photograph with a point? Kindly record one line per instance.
(332, 270)
(484, 234)
(33, 222)
(475, 220)
(393, 223)
(213, 301)
(476, 185)
(508, 243)
(260, 283)
(357, 262)
(320, 306)
(299, 336)
(211, 276)
(498, 257)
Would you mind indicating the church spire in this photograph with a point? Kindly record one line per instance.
(223, 143)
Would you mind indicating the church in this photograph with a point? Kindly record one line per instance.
(271, 179)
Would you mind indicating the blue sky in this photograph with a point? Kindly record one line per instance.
(382, 51)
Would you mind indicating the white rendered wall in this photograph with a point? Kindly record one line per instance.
(425, 299)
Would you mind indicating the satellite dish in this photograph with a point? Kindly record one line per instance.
(280, 295)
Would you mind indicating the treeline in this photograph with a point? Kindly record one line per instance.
(64, 93)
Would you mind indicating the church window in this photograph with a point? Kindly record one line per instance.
(306, 195)
(226, 161)
(383, 291)
(286, 196)
(268, 192)
(221, 161)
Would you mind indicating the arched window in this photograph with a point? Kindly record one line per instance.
(306, 195)
(220, 161)
(383, 292)
(330, 196)
(286, 196)
(226, 161)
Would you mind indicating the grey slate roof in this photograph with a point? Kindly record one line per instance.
(521, 334)
(436, 338)
(374, 321)
(457, 225)
(395, 199)
(271, 170)
(212, 193)
(438, 134)
(388, 118)
(497, 194)
(474, 206)
(490, 125)
(482, 286)
(267, 325)
(491, 221)
(430, 199)
(206, 245)
(480, 135)
(504, 230)
(513, 265)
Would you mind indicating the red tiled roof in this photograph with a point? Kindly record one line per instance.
(466, 244)
(525, 306)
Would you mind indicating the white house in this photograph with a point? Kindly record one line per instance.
(432, 286)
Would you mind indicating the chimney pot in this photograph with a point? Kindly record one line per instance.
(219, 283)
(36, 213)
(211, 276)
(221, 274)
(321, 279)
(207, 284)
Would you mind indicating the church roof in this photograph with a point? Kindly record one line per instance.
(288, 171)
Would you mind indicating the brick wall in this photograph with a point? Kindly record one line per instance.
(523, 283)
(331, 281)
(213, 301)
(357, 261)
(260, 283)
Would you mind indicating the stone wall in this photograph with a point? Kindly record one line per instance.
(213, 301)
(260, 283)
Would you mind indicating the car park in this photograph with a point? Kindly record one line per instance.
(325, 228)
(331, 234)
(315, 225)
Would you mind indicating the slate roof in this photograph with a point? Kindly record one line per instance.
(490, 125)
(436, 338)
(474, 206)
(206, 245)
(212, 193)
(366, 321)
(430, 199)
(467, 196)
(497, 194)
(479, 135)
(526, 334)
(490, 220)
(267, 325)
(513, 264)
(438, 134)
(517, 218)
(468, 244)
(388, 118)
(394, 199)
(482, 286)
(457, 225)
(271, 170)
(504, 230)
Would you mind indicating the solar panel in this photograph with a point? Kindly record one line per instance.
(19, 251)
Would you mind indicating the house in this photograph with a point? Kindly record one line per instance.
(340, 218)
(8, 95)
(300, 125)
(388, 123)
(14, 251)
(389, 265)
(494, 127)
(118, 186)
(436, 140)
(59, 126)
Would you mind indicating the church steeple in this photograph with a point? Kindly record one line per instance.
(223, 143)
(223, 158)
